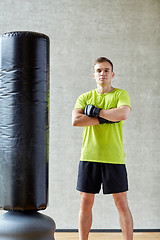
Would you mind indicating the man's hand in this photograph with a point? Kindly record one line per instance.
(92, 111)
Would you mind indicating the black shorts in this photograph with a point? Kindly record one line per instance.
(91, 175)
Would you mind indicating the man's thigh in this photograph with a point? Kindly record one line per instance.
(89, 177)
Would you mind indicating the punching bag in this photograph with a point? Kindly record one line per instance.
(24, 128)
(24, 88)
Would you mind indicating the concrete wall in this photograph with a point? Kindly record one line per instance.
(80, 31)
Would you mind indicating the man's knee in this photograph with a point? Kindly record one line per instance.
(121, 201)
(87, 201)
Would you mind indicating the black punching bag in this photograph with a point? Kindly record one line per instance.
(24, 81)
(24, 95)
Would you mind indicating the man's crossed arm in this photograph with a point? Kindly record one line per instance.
(93, 116)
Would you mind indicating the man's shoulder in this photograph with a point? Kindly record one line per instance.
(120, 91)
(88, 94)
(83, 99)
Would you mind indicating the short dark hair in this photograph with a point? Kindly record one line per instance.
(103, 59)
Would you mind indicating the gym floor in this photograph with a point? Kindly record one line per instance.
(107, 236)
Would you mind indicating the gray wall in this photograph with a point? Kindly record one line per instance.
(127, 31)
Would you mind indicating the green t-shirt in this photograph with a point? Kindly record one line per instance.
(103, 142)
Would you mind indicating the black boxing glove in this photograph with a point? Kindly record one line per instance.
(92, 111)
(103, 120)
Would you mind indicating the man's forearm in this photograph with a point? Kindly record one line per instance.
(115, 114)
(82, 120)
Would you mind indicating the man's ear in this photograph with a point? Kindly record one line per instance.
(93, 75)
(113, 74)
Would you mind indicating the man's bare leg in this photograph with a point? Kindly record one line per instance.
(125, 216)
(85, 215)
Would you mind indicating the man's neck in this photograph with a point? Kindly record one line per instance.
(104, 89)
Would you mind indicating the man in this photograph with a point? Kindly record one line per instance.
(101, 112)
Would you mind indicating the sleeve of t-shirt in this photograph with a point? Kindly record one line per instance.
(80, 103)
(124, 99)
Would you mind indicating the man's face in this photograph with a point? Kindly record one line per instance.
(103, 73)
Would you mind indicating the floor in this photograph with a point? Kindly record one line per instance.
(107, 236)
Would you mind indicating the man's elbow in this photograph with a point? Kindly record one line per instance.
(76, 117)
(74, 123)
(125, 115)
